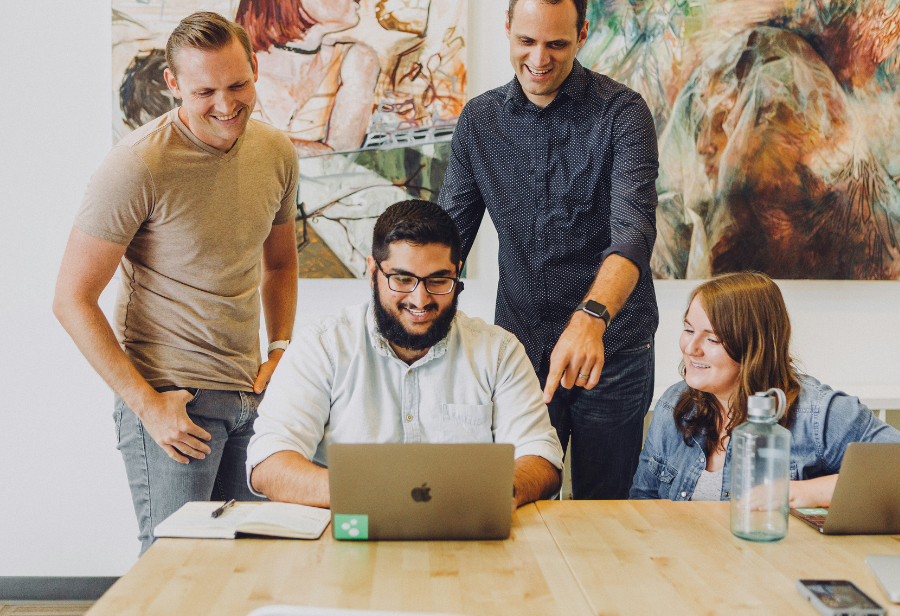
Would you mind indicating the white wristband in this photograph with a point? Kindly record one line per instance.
(278, 344)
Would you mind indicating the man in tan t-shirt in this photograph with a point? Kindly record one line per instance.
(196, 209)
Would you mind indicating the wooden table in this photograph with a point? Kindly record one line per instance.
(661, 557)
(525, 575)
(570, 558)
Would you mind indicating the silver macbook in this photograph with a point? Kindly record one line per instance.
(421, 491)
(866, 498)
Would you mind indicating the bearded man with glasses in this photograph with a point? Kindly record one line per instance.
(405, 367)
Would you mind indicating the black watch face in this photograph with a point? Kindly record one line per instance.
(596, 309)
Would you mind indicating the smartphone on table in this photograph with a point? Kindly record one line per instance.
(839, 598)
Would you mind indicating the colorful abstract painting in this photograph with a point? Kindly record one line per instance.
(368, 91)
(779, 130)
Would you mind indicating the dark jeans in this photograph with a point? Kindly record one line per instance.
(606, 424)
(160, 485)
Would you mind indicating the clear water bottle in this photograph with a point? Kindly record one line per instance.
(761, 470)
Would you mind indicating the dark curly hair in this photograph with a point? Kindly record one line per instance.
(418, 222)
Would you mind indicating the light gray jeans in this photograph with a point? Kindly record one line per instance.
(160, 485)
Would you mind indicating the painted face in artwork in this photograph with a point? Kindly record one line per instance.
(543, 43)
(712, 141)
(332, 15)
(418, 320)
(218, 92)
(713, 135)
(708, 367)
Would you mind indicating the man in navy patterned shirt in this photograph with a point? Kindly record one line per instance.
(565, 161)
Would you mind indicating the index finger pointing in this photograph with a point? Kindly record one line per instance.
(552, 383)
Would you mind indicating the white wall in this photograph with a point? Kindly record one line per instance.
(65, 508)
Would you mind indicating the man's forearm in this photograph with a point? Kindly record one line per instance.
(615, 280)
(278, 285)
(87, 267)
(535, 479)
(578, 356)
(278, 290)
(289, 477)
(88, 327)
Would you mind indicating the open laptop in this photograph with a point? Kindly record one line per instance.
(421, 491)
(866, 498)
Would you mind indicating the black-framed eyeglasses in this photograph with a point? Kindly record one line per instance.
(407, 283)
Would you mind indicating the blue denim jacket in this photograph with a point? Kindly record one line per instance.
(825, 422)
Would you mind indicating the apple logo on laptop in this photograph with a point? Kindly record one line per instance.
(421, 495)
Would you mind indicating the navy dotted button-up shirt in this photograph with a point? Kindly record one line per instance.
(565, 186)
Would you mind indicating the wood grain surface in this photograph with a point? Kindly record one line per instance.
(521, 576)
(567, 558)
(663, 557)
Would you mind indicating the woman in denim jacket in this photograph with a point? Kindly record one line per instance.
(734, 344)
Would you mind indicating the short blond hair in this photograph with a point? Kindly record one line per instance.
(207, 31)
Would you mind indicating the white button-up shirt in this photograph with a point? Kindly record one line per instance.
(341, 382)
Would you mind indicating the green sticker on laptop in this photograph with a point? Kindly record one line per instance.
(813, 511)
(349, 526)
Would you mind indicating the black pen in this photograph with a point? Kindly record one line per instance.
(222, 509)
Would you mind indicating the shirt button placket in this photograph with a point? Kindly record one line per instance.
(411, 432)
(542, 149)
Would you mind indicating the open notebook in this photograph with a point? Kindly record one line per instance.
(194, 520)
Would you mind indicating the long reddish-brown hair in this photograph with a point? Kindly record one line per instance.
(272, 22)
(749, 318)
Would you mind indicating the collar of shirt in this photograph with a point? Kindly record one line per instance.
(574, 88)
(383, 347)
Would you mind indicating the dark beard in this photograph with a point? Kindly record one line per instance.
(394, 332)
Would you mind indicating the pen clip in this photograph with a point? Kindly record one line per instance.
(220, 510)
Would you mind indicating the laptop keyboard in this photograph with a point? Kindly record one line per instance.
(816, 520)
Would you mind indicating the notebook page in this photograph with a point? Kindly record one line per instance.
(195, 520)
(286, 520)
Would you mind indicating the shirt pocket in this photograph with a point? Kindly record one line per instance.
(664, 473)
(467, 423)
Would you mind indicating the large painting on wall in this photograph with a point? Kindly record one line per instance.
(779, 130)
(367, 90)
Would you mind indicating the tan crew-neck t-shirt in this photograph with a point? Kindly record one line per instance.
(194, 220)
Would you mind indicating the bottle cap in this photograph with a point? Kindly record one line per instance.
(761, 405)
(767, 405)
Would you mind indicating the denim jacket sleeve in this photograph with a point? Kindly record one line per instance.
(844, 420)
(654, 475)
